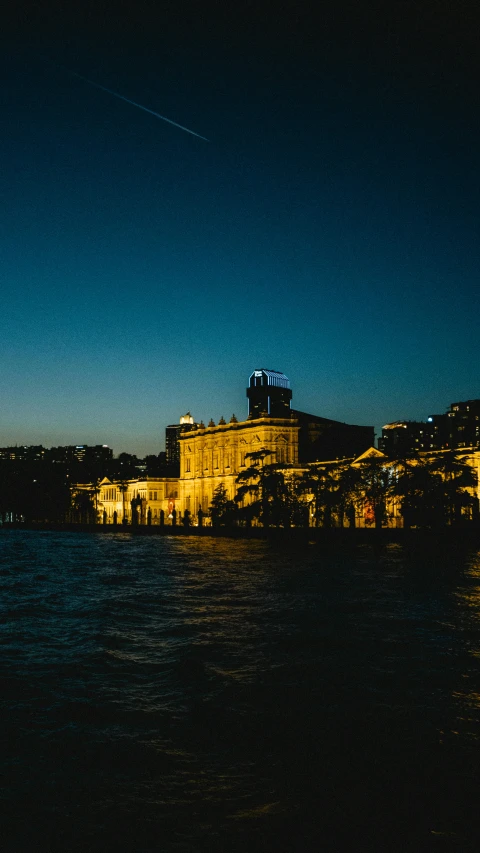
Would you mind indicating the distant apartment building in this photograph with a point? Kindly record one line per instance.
(404, 438)
(27, 453)
(80, 453)
(458, 428)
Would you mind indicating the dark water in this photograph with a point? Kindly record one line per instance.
(164, 694)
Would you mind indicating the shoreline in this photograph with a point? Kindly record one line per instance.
(470, 535)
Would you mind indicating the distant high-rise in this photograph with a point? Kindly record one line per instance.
(172, 435)
(269, 394)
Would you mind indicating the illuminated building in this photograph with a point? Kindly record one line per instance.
(200, 458)
(145, 497)
(274, 433)
(203, 458)
(216, 454)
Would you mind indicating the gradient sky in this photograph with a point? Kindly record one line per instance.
(329, 228)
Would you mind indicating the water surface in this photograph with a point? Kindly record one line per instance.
(176, 694)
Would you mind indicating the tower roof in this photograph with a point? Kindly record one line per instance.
(273, 377)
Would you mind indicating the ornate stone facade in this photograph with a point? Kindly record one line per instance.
(143, 498)
(210, 456)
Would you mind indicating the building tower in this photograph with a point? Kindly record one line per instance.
(172, 434)
(269, 394)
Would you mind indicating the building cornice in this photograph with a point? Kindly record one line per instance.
(253, 423)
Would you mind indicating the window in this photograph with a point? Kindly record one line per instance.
(155, 496)
(149, 496)
(188, 466)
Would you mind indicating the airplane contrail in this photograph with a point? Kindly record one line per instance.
(133, 103)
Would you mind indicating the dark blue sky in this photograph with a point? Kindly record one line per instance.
(328, 229)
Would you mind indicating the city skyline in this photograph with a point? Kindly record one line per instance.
(328, 229)
(441, 415)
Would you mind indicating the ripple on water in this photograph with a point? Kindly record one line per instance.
(232, 695)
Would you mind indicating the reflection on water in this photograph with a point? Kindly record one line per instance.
(201, 694)
(467, 693)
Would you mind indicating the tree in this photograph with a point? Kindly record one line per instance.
(273, 499)
(221, 509)
(364, 487)
(374, 481)
(434, 491)
(346, 493)
(457, 478)
(125, 466)
(250, 483)
(154, 465)
(321, 484)
(82, 505)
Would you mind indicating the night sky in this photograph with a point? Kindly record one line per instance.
(328, 229)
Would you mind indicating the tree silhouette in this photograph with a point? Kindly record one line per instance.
(321, 484)
(434, 491)
(221, 510)
(273, 499)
